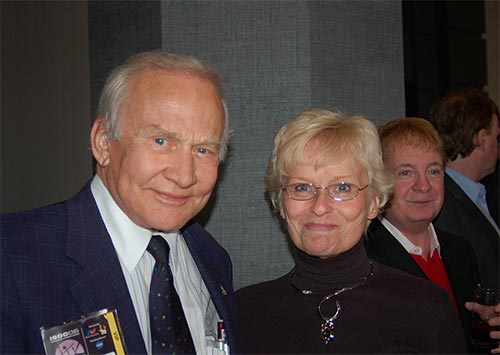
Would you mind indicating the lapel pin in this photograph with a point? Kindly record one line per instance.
(223, 290)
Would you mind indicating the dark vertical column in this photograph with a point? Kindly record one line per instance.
(45, 103)
(118, 29)
(444, 50)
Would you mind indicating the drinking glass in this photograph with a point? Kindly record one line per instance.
(480, 328)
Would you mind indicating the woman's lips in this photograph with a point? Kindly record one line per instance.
(320, 226)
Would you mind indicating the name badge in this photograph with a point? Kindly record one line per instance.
(95, 333)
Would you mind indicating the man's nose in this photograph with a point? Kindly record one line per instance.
(182, 170)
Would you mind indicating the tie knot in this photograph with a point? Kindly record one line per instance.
(158, 247)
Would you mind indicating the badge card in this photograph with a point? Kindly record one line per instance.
(97, 333)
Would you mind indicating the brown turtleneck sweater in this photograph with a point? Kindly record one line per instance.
(391, 313)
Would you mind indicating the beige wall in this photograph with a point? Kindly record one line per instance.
(45, 113)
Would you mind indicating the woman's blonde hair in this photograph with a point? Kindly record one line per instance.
(340, 136)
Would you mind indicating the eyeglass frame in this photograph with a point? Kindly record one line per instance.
(316, 188)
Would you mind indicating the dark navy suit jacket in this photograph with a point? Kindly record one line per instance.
(58, 263)
(457, 255)
(460, 216)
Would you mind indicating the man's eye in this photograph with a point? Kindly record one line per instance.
(160, 141)
(209, 153)
(435, 172)
(404, 173)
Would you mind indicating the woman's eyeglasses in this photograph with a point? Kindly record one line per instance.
(343, 191)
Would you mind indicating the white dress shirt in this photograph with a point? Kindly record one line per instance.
(408, 245)
(130, 242)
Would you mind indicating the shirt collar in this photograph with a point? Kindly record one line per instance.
(474, 190)
(129, 240)
(407, 244)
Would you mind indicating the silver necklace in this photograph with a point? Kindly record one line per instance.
(328, 325)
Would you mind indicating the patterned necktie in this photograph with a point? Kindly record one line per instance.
(169, 330)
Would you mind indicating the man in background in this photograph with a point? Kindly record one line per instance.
(467, 122)
(159, 136)
(404, 237)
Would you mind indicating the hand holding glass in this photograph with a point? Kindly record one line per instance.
(483, 309)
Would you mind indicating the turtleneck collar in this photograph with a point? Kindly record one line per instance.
(313, 273)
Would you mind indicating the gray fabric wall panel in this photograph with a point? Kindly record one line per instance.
(357, 58)
(278, 58)
(261, 49)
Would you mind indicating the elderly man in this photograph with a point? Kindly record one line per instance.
(159, 136)
(468, 124)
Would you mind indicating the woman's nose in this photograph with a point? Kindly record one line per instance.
(322, 202)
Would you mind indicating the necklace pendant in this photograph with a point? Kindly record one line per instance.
(327, 329)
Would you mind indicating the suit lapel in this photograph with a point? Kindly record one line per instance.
(452, 263)
(101, 283)
(208, 262)
(484, 225)
(217, 276)
(384, 248)
(460, 271)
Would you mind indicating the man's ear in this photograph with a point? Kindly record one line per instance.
(99, 142)
(480, 137)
